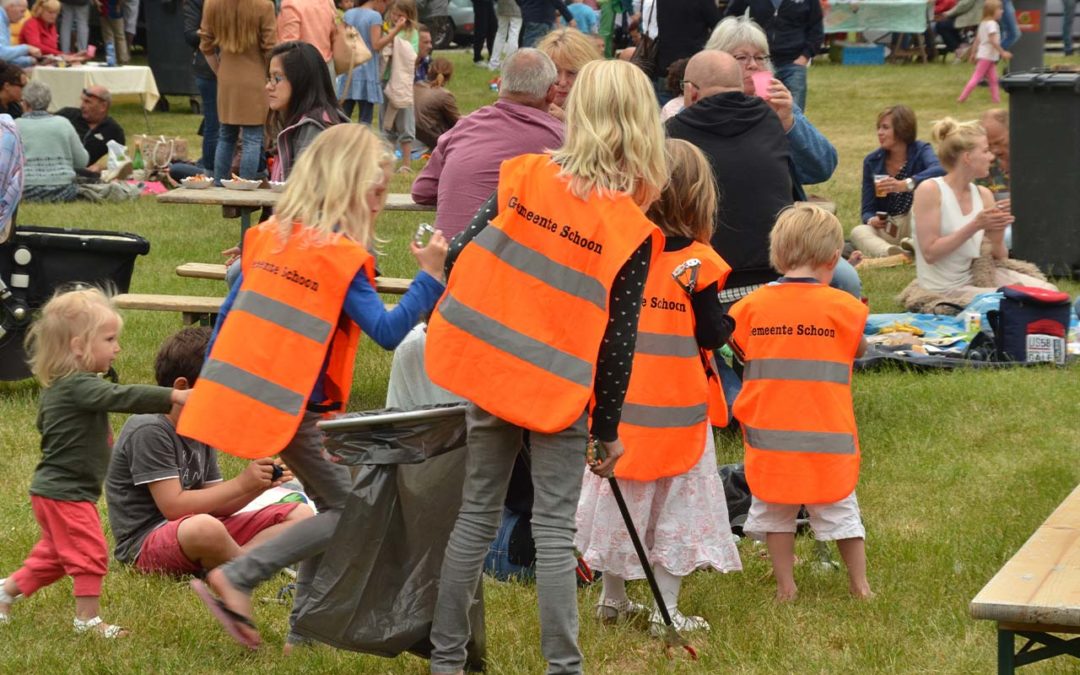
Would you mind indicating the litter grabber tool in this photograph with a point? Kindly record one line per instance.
(686, 275)
(594, 454)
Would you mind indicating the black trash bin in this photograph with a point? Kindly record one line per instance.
(38, 260)
(168, 55)
(1044, 163)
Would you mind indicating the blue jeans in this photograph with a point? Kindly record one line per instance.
(250, 150)
(208, 93)
(531, 32)
(367, 110)
(794, 78)
(1069, 7)
(1010, 30)
(846, 279)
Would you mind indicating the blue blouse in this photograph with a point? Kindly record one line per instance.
(921, 164)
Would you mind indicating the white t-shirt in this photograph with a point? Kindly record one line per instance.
(986, 50)
(648, 17)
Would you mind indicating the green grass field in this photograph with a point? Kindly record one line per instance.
(959, 468)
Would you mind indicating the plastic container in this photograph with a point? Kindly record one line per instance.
(110, 54)
(38, 260)
(850, 54)
(1044, 163)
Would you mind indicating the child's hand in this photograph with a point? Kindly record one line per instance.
(612, 451)
(400, 23)
(432, 258)
(231, 255)
(1005, 54)
(179, 396)
(258, 475)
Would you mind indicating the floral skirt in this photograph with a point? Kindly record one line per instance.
(682, 522)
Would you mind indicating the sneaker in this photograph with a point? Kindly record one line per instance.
(681, 622)
(611, 611)
(908, 246)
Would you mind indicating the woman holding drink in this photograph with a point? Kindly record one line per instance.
(890, 175)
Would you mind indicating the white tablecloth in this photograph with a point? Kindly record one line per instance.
(900, 16)
(67, 83)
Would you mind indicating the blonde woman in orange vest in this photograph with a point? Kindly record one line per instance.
(668, 473)
(283, 354)
(540, 317)
(797, 339)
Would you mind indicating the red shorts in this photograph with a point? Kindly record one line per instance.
(161, 552)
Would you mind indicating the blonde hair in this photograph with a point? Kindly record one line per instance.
(687, 206)
(327, 191)
(408, 8)
(234, 23)
(42, 6)
(952, 139)
(614, 140)
(989, 8)
(68, 315)
(570, 48)
(804, 234)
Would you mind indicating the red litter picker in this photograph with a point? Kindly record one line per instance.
(594, 454)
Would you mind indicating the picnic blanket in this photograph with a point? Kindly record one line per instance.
(937, 341)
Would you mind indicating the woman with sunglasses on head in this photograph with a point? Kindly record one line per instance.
(301, 100)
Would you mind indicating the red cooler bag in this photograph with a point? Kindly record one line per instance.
(1031, 324)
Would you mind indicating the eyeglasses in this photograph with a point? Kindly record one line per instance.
(275, 79)
(744, 59)
(89, 94)
(683, 83)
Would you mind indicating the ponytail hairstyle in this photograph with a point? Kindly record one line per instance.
(952, 138)
(440, 71)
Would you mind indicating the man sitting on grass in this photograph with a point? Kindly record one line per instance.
(169, 508)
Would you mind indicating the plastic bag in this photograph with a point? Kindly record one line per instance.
(117, 155)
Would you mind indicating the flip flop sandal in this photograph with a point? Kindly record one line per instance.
(230, 620)
(106, 630)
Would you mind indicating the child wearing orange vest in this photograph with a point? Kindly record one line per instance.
(667, 473)
(797, 339)
(284, 351)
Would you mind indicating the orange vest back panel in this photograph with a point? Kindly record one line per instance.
(285, 322)
(798, 341)
(518, 330)
(667, 408)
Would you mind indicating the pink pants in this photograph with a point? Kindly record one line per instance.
(983, 68)
(71, 544)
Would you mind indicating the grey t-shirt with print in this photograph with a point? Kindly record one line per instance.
(148, 450)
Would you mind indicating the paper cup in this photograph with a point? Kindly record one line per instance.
(762, 79)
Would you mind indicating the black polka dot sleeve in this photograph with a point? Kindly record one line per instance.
(712, 325)
(617, 348)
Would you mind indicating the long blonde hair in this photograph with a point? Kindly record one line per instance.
(614, 140)
(953, 138)
(68, 315)
(569, 48)
(235, 23)
(328, 188)
(687, 206)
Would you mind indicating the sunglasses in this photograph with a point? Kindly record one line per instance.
(89, 94)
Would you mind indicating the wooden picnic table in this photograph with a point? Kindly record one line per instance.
(245, 202)
(1037, 592)
(216, 272)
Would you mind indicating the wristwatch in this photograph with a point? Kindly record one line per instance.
(910, 183)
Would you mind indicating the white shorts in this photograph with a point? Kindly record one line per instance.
(830, 522)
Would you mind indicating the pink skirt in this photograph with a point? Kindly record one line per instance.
(682, 522)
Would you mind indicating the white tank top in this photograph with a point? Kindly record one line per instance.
(954, 270)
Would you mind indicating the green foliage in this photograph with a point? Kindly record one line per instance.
(959, 468)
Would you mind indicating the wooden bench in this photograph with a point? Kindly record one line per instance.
(1037, 593)
(194, 309)
(196, 270)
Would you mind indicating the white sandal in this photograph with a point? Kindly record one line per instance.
(681, 622)
(611, 611)
(107, 630)
(6, 599)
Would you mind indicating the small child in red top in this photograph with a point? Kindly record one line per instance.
(73, 342)
(797, 339)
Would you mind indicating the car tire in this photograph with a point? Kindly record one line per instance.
(442, 31)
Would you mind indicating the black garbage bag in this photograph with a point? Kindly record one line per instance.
(376, 586)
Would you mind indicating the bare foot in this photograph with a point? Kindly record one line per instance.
(785, 595)
(233, 598)
(855, 258)
(861, 592)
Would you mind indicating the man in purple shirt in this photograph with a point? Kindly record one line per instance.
(464, 169)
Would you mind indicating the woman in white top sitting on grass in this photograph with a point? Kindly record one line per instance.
(956, 223)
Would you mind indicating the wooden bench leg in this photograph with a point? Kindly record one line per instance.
(1006, 646)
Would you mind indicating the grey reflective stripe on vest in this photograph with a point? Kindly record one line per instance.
(661, 417)
(663, 344)
(826, 442)
(535, 264)
(286, 316)
(797, 369)
(253, 386)
(528, 349)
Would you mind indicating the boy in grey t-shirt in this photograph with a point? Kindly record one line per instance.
(169, 508)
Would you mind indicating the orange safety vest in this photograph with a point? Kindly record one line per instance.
(284, 324)
(798, 342)
(671, 396)
(519, 327)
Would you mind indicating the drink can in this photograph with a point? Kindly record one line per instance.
(972, 322)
